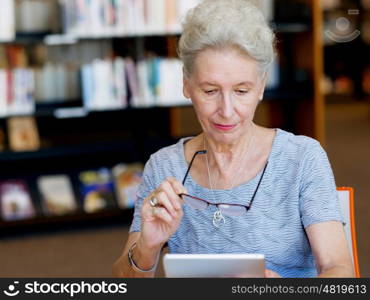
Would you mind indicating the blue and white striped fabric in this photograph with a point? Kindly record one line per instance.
(297, 190)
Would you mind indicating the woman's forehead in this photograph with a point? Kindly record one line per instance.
(224, 66)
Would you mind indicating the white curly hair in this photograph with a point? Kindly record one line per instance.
(220, 24)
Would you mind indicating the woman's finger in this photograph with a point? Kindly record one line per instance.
(162, 214)
(173, 190)
(164, 201)
(177, 186)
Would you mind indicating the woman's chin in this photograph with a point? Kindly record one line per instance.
(224, 137)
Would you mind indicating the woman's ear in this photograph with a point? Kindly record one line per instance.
(185, 88)
(262, 87)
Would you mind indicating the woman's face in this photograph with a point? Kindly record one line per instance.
(225, 88)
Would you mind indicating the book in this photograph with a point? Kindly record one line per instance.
(171, 16)
(97, 190)
(23, 134)
(127, 178)
(104, 84)
(156, 16)
(36, 16)
(170, 90)
(16, 82)
(7, 20)
(21, 101)
(57, 195)
(132, 82)
(3, 93)
(267, 8)
(56, 82)
(16, 202)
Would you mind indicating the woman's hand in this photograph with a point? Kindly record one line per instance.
(271, 274)
(160, 222)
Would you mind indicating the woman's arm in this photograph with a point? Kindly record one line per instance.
(329, 246)
(158, 224)
(145, 258)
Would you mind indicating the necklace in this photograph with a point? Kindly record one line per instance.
(218, 218)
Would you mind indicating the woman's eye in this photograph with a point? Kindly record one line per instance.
(242, 92)
(210, 92)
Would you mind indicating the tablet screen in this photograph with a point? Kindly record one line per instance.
(214, 265)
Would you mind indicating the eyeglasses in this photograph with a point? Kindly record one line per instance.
(225, 208)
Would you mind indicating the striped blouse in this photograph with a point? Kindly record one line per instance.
(297, 190)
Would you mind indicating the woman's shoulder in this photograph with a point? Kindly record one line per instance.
(170, 156)
(296, 147)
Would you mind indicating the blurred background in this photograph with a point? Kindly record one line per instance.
(89, 89)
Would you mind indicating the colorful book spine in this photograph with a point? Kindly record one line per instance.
(106, 84)
(98, 18)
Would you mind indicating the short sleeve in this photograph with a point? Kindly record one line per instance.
(318, 194)
(146, 187)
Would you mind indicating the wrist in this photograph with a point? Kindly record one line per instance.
(147, 248)
(143, 259)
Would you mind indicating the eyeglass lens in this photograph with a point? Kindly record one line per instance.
(229, 210)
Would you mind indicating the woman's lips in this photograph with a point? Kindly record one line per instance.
(224, 127)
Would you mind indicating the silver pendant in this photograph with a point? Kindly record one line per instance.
(218, 219)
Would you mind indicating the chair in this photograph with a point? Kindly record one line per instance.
(346, 200)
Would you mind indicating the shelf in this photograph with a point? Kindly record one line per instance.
(27, 38)
(48, 108)
(291, 27)
(66, 151)
(68, 39)
(46, 223)
(74, 109)
(55, 39)
(292, 94)
(72, 38)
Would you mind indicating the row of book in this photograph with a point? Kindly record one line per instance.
(98, 18)
(107, 83)
(123, 17)
(100, 189)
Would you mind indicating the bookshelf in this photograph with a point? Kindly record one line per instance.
(76, 135)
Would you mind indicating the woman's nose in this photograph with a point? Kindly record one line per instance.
(226, 108)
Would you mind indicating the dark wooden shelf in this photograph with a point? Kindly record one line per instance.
(75, 150)
(48, 109)
(295, 27)
(53, 223)
(63, 38)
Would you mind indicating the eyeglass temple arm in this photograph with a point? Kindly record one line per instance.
(191, 162)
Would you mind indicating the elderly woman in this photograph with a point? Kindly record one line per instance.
(237, 187)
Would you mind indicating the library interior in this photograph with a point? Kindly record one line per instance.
(90, 89)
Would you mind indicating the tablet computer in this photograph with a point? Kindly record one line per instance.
(214, 265)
